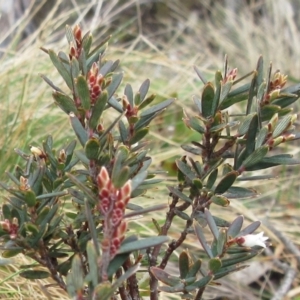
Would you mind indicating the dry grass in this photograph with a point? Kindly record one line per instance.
(163, 47)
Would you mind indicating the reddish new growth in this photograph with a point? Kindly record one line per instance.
(11, 227)
(95, 81)
(112, 204)
(230, 76)
(75, 50)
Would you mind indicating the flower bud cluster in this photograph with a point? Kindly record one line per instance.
(95, 81)
(112, 204)
(276, 84)
(11, 227)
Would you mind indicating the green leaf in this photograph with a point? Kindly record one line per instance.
(195, 123)
(184, 262)
(185, 169)
(120, 179)
(222, 239)
(79, 130)
(255, 157)
(238, 258)
(285, 101)
(220, 200)
(251, 135)
(145, 103)
(194, 269)
(34, 274)
(103, 291)
(226, 182)
(97, 110)
(179, 194)
(164, 277)
(268, 111)
(138, 135)
(245, 125)
(202, 240)
(240, 192)
(143, 244)
(61, 68)
(30, 198)
(129, 94)
(225, 271)
(212, 179)
(211, 223)
(92, 148)
(250, 228)
(207, 100)
(156, 108)
(214, 265)
(235, 227)
(11, 252)
(75, 279)
(116, 80)
(225, 89)
(261, 137)
(83, 92)
(282, 125)
(200, 283)
(143, 90)
(65, 102)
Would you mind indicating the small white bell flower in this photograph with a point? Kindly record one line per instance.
(251, 240)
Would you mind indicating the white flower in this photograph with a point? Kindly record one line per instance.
(251, 240)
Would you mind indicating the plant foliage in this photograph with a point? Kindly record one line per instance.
(68, 207)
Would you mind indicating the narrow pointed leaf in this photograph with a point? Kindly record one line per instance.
(211, 223)
(207, 100)
(214, 265)
(226, 182)
(156, 108)
(200, 283)
(116, 80)
(60, 68)
(143, 244)
(79, 130)
(235, 227)
(83, 92)
(143, 90)
(35, 274)
(202, 240)
(179, 194)
(98, 110)
(250, 228)
(64, 102)
(164, 277)
(184, 263)
(255, 157)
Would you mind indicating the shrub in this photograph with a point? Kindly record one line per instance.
(69, 208)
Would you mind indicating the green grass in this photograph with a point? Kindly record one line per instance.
(181, 39)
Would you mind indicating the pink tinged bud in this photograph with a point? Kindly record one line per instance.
(77, 32)
(96, 89)
(95, 69)
(103, 178)
(251, 240)
(104, 205)
(92, 79)
(117, 216)
(126, 189)
(289, 137)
